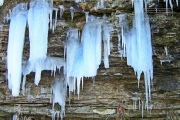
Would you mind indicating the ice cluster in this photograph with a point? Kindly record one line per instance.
(83, 53)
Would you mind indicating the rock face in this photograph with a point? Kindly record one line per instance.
(114, 86)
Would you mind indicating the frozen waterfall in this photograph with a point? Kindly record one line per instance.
(83, 55)
(139, 48)
(15, 47)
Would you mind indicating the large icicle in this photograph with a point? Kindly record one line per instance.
(59, 92)
(139, 48)
(91, 43)
(38, 21)
(74, 63)
(15, 47)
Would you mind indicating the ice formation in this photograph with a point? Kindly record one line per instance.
(106, 33)
(59, 92)
(83, 55)
(146, 2)
(47, 63)
(135, 99)
(39, 15)
(139, 48)
(86, 15)
(77, 1)
(1, 2)
(122, 23)
(55, 20)
(72, 12)
(171, 5)
(74, 63)
(15, 117)
(15, 47)
(38, 42)
(165, 57)
(61, 7)
(100, 4)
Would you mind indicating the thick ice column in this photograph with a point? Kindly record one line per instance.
(38, 21)
(144, 47)
(15, 47)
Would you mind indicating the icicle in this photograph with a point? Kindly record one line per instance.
(23, 84)
(145, 4)
(139, 48)
(38, 49)
(78, 85)
(61, 10)
(86, 15)
(15, 47)
(177, 3)
(122, 18)
(142, 108)
(59, 92)
(55, 22)
(166, 6)
(171, 5)
(135, 99)
(38, 42)
(102, 3)
(91, 42)
(1, 2)
(72, 12)
(166, 50)
(53, 26)
(15, 117)
(106, 39)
